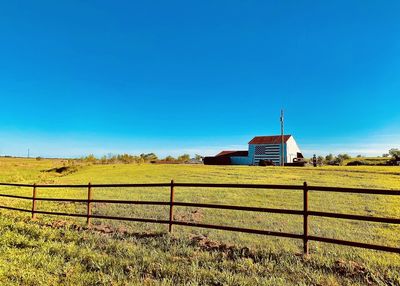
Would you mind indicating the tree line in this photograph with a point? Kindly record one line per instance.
(339, 159)
(137, 159)
(330, 159)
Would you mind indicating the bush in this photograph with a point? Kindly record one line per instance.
(357, 163)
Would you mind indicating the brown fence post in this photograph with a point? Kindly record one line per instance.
(89, 205)
(34, 201)
(305, 218)
(171, 206)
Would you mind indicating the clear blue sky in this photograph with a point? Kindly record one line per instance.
(80, 77)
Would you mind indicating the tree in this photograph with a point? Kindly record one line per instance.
(184, 158)
(320, 160)
(198, 157)
(149, 157)
(169, 159)
(337, 161)
(90, 159)
(344, 156)
(111, 159)
(328, 158)
(385, 155)
(103, 160)
(341, 158)
(394, 152)
(359, 156)
(126, 158)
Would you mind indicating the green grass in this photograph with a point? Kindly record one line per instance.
(87, 257)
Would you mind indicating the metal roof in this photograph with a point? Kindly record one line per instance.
(232, 154)
(276, 139)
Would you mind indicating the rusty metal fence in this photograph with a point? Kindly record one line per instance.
(305, 212)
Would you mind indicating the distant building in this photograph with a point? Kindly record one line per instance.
(236, 157)
(269, 148)
(261, 149)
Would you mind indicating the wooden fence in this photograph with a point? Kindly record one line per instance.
(305, 212)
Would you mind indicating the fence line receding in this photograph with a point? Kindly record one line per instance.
(305, 212)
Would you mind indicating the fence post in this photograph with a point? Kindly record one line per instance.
(89, 205)
(171, 206)
(305, 219)
(34, 201)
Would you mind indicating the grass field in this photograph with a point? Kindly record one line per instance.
(56, 250)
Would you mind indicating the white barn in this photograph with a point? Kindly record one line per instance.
(266, 148)
(269, 148)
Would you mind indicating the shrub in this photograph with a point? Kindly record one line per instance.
(357, 163)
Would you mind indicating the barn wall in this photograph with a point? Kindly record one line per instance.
(273, 153)
(251, 154)
(240, 160)
(292, 150)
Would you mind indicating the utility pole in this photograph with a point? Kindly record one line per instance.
(282, 140)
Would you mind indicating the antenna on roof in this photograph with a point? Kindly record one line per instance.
(282, 140)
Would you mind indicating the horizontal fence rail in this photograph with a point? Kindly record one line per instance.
(305, 212)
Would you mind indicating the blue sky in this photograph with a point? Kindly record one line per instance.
(173, 77)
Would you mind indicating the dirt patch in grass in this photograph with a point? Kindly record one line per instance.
(210, 245)
(349, 268)
(354, 270)
(193, 216)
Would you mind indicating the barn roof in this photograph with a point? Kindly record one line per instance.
(232, 154)
(277, 139)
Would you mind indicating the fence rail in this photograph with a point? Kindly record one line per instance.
(305, 212)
